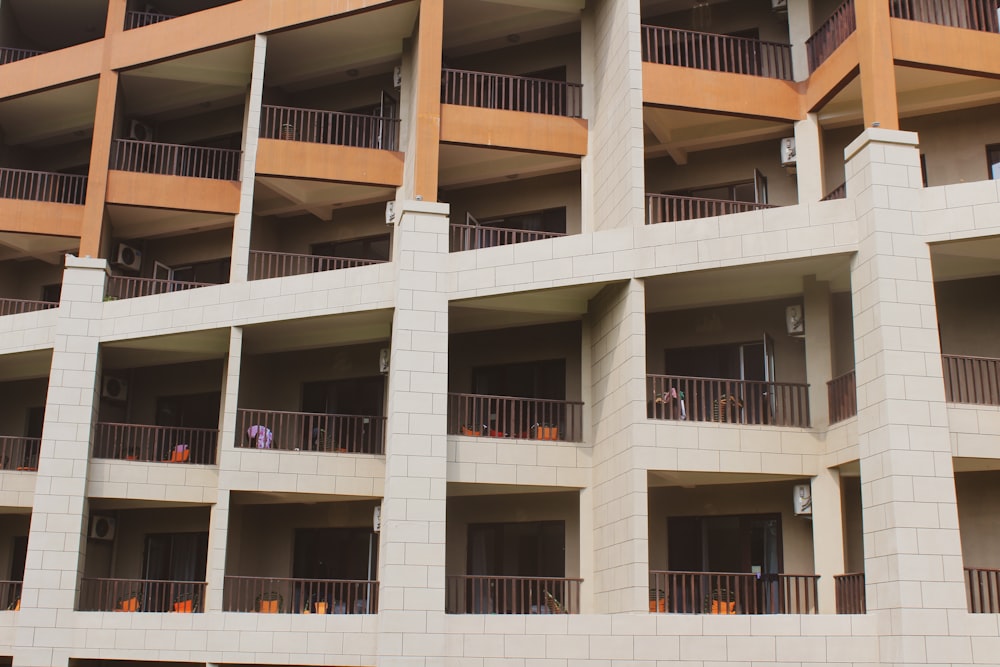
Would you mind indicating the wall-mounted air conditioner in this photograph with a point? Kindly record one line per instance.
(140, 131)
(383, 360)
(795, 321)
(397, 77)
(128, 257)
(114, 388)
(788, 158)
(102, 527)
(802, 501)
(779, 5)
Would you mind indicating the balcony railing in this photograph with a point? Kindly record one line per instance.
(732, 593)
(9, 55)
(511, 93)
(974, 380)
(126, 287)
(839, 192)
(141, 595)
(727, 401)
(482, 594)
(148, 157)
(17, 453)
(834, 31)
(265, 265)
(719, 53)
(271, 595)
(971, 14)
(674, 208)
(42, 186)
(166, 444)
(18, 306)
(310, 432)
(330, 127)
(511, 417)
(842, 397)
(983, 588)
(850, 591)
(473, 237)
(10, 595)
(135, 20)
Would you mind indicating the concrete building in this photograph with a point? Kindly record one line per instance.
(499, 333)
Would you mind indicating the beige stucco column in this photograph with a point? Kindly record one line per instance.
(809, 159)
(799, 31)
(828, 535)
(819, 348)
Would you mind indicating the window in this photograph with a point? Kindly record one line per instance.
(993, 161)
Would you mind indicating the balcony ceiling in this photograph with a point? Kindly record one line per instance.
(56, 24)
(52, 117)
(690, 480)
(204, 345)
(284, 498)
(459, 489)
(974, 258)
(561, 304)
(310, 333)
(476, 26)
(288, 197)
(133, 222)
(466, 166)
(677, 133)
(25, 365)
(49, 249)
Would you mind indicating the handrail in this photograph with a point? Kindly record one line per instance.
(135, 20)
(130, 287)
(834, 31)
(11, 55)
(10, 594)
(266, 264)
(157, 444)
(482, 415)
(839, 192)
(970, 14)
(678, 592)
(842, 397)
(474, 237)
(284, 595)
(141, 595)
(47, 186)
(678, 397)
(18, 306)
(17, 453)
(973, 380)
(311, 432)
(330, 127)
(511, 93)
(487, 594)
(850, 593)
(149, 157)
(716, 52)
(675, 208)
(983, 589)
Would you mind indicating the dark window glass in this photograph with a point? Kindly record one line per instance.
(993, 161)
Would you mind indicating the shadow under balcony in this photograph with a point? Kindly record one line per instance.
(716, 52)
(676, 208)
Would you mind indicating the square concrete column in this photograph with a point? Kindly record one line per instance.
(809, 159)
(913, 557)
(819, 348)
(828, 536)
(799, 31)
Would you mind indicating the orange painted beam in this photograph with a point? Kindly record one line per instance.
(539, 133)
(427, 103)
(176, 192)
(942, 47)
(839, 68)
(720, 92)
(39, 217)
(875, 59)
(47, 70)
(300, 159)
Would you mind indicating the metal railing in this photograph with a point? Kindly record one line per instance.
(719, 53)
(17, 453)
(141, 595)
(974, 380)
(10, 55)
(42, 186)
(842, 397)
(483, 594)
(839, 192)
(971, 14)
(135, 20)
(18, 306)
(511, 93)
(148, 157)
(674, 208)
(264, 264)
(834, 31)
(485, 416)
(310, 432)
(850, 592)
(276, 595)
(166, 444)
(727, 401)
(473, 237)
(983, 589)
(10, 595)
(330, 127)
(732, 593)
(127, 287)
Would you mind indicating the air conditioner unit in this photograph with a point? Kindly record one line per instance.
(114, 388)
(102, 527)
(390, 212)
(140, 131)
(779, 5)
(397, 77)
(788, 152)
(128, 257)
(802, 501)
(383, 360)
(795, 321)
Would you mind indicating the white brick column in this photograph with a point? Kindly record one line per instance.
(242, 224)
(412, 553)
(57, 540)
(828, 535)
(913, 557)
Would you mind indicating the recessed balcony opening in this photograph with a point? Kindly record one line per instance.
(976, 484)
(32, 27)
(14, 529)
(22, 395)
(512, 550)
(28, 284)
(301, 554)
(145, 557)
(140, 13)
(982, 15)
(160, 399)
(956, 146)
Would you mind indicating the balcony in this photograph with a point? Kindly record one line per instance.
(18, 453)
(983, 589)
(141, 595)
(479, 415)
(480, 594)
(842, 395)
(130, 287)
(135, 20)
(155, 444)
(310, 432)
(330, 127)
(271, 595)
(675, 208)
(732, 593)
(979, 15)
(839, 192)
(10, 595)
(42, 186)
(148, 157)
(474, 235)
(264, 264)
(834, 32)
(973, 380)
(850, 591)
(727, 401)
(18, 306)
(715, 52)
(9, 55)
(511, 93)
